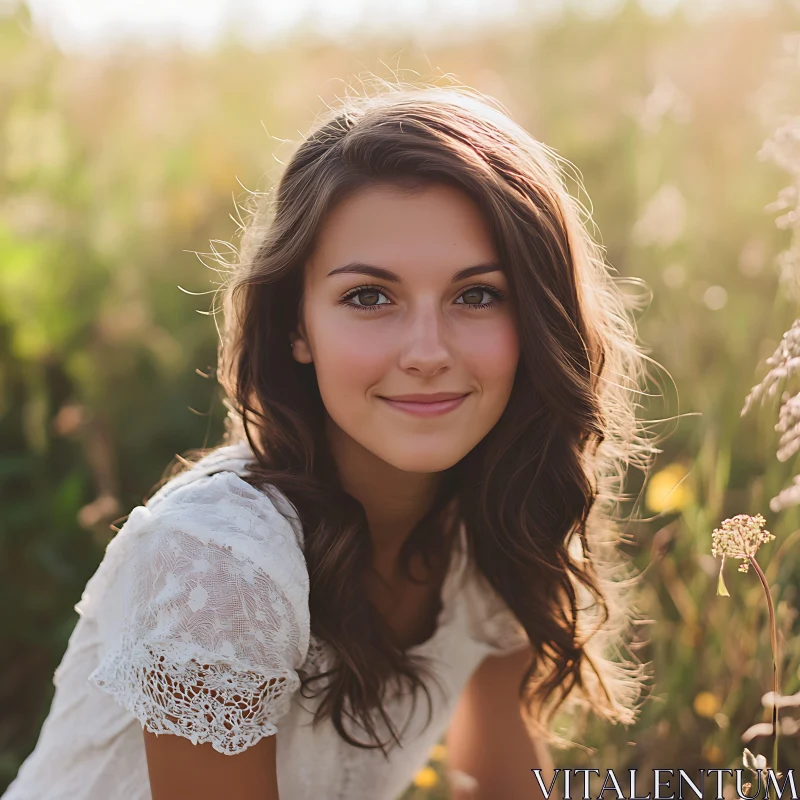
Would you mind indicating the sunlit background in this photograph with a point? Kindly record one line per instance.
(130, 132)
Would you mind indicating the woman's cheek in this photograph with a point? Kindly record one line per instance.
(349, 362)
(492, 353)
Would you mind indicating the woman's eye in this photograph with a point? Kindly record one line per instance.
(474, 296)
(368, 298)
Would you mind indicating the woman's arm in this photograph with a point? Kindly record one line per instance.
(179, 769)
(487, 737)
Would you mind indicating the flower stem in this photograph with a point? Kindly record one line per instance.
(773, 629)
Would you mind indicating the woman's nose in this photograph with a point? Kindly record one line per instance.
(424, 346)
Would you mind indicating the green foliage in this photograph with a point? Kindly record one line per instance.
(113, 170)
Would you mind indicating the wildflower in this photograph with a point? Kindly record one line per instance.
(669, 489)
(755, 763)
(739, 537)
(784, 363)
(706, 704)
(426, 778)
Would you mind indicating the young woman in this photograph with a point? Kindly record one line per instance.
(430, 378)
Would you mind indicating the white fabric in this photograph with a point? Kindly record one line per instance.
(196, 624)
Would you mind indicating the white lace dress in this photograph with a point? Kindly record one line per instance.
(207, 582)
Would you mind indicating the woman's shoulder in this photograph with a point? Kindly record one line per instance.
(201, 608)
(215, 492)
(217, 484)
(210, 515)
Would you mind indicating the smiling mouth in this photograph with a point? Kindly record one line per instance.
(426, 409)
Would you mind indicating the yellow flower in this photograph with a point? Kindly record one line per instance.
(439, 753)
(670, 489)
(426, 778)
(706, 704)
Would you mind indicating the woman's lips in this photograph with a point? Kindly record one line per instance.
(426, 409)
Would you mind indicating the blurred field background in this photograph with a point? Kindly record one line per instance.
(116, 165)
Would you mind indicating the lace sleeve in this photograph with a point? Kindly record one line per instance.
(203, 610)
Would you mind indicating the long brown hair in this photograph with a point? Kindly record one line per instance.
(538, 495)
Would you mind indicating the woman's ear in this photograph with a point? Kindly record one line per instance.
(301, 352)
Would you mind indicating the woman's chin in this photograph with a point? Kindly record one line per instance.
(418, 460)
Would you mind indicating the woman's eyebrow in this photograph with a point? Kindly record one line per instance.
(360, 268)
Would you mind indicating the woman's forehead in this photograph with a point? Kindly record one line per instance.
(436, 231)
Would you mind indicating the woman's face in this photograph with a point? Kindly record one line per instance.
(386, 313)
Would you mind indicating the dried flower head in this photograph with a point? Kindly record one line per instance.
(738, 537)
(755, 763)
